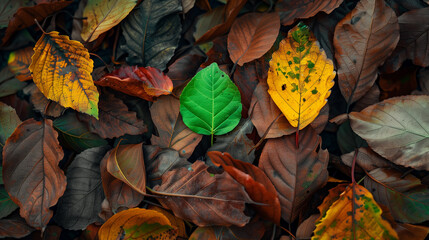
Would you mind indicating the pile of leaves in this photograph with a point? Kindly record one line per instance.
(197, 119)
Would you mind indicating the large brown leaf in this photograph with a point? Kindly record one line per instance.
(30, 170)
(173, 133)
(296, 173)
(252, 35)
(232, 9)
(414, 32)
(14, 227)
(289, 10)
(254, 180)
(25, 16)
(397, 129)
(114, 119)
(204, 198)
(363, 40)
(126, 163)
(118, 194)
(143, 82)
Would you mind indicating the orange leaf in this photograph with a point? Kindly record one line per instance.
(19, 61)
(175, 221)
(142, 82)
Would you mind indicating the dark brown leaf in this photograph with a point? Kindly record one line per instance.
(14, 227)
(42, 104)
(366, 159)
(30, 170)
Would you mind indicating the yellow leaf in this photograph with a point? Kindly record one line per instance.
(61, 69)
(102, 15)
(354, 215)
(300, 77)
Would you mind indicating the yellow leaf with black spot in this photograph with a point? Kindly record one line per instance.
(61, 69)
(300, 77)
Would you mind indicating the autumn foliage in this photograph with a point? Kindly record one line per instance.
(210, 119)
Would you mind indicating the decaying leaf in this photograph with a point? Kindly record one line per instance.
(62, 69)
(204, 198)
(19, 61)
(42, 104)
(14, 227)
(397, 129)
(101, 15)
(363, 40)
(354, 215)
(295, 173)
(9, 120)
(138, 223)
(300, 77)
(40, 165)
(8, 83)
(174, 221)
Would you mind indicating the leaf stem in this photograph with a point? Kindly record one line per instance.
(297, 138)
(211, 145)
(37, 22)
(233, 69)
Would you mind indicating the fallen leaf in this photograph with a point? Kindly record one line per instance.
(18, 63)
(423, 82)
(42, 104)
(306, 228)
(184, 68)
(15, 227)
(399, 83)
(172, 132)
(7, 206)
(8, 9)
(204, 198)
(347, 139)
(62, 69)
(354, 215)
(210, 103)
(81, 202)
(232, 9)
(300, 77)
(115, 119)
(218, 53)
(137, 223)
(152, 33)
(295, 173)
(363, 40)
(75, 135)
(289, 10)
(252, 35)
(405, 196)
(174, 221)
(366, 159)
(208, 20)
(371, 97)
(48, 181)
(254, 180)
(254, 230)
(146, 83)
(9, 120)
(8, 83)
(24, 16)
(102, 15)
(396, 129)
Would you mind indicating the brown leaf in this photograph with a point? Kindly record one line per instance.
(42, 104)
(366, 159)
(399, 83)
(115, 119)
(218, 53)
(254, 230)
(204, 198)
(175, 221)
(363, 40)
(173, 133)
(252, 35)
(14, 227)
(296, 173)
(184, 68)
(118, 194)
(254, 180)
(414, 32)
(208, 20)
(371, 97)
(143, 82)
(232, 9)
(306, 228)
(423, 77)
(289, 10)
(159, 161)
(25, 16)
(32, 153)
(126, 163)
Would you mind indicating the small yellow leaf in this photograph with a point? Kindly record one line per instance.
(62, 69)
(353, 215)
(300, 77)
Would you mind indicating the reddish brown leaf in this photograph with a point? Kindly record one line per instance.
(126, 163)
(173, 133)
(254, 180)
(25, 16)
(363, 40)
(218, 53)
(306, 228)
(252, 35)
(118, 194)
(42, 104)
(19, 61)
(289, 10)
(184, 68)
(14, 227)
(414, 32)
(296, 173)
(114, 119)
(204, 198)
(143, 82)
(175, 221)
(371, 97)
(232, 9)
(399, 83)
(30, 170)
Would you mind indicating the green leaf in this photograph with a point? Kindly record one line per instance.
(152, 33)
(211, 104)
(75, 134)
